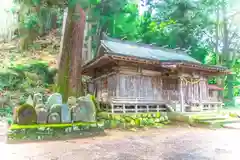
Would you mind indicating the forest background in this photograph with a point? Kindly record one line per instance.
(31, 31)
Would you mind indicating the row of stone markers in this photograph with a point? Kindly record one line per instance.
(54, 111)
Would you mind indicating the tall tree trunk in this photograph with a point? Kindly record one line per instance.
(227, 54)
(65, 53)
(69, 69)
(217, 36)
(76, 58)
(89, 44)
(220, 79)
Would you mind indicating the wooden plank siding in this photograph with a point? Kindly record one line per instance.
(132, 87)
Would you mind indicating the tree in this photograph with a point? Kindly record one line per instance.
(225, 43)
(35, 18)
(117, 18)
(229, 54)
(177, 24)
(69, 69)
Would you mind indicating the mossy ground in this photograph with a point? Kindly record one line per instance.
(62, 125)
(54, 131)
(83, 129)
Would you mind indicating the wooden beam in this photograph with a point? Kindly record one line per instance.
(129, 72)
(103, 76)
(151, 73)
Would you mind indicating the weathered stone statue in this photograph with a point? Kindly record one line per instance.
(55, 108)
(76, 114)
(30, 101)
(72, 101)
(40, 106)
(54, 118)
(42, 115)
(55, 98)
(66, 114)
(26, 114)
(37, 99)
(84, 110)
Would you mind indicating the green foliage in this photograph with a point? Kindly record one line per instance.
(6, 111)
(30, 75)
(10, 79)
(96, 103)
(133, 120)
(35, 19)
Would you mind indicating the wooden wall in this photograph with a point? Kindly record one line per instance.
(151, 86)
(138, 86)
(105, 87)
(170, 89)
(195, 90)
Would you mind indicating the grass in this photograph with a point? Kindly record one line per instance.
(233, 112)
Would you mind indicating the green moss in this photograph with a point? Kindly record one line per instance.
(96, 103)
(54, 131)
(62, 77)
(64, 125)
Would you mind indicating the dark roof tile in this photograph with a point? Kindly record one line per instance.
(125, 48)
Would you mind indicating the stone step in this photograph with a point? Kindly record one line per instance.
(210, 118)
(232, 125)
(220, 123)
(209, 115)
(202, 113)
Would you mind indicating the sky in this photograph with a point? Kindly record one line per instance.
(6, 19)
(236, 8)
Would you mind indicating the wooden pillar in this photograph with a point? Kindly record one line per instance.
(200, 94)
(112, 108)
(147, 108)
(124, 108)
(118, 85)
(181, 96)
(136, 108)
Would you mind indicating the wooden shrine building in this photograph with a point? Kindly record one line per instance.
(134, 77)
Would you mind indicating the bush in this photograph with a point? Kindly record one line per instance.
(26, 76)
(39, 68)
(9, 79)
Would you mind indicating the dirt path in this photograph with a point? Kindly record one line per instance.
(180, 143)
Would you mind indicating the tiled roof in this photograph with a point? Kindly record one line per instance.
(126, 48)
(149, 52)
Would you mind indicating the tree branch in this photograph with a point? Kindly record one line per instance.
(234, 35)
